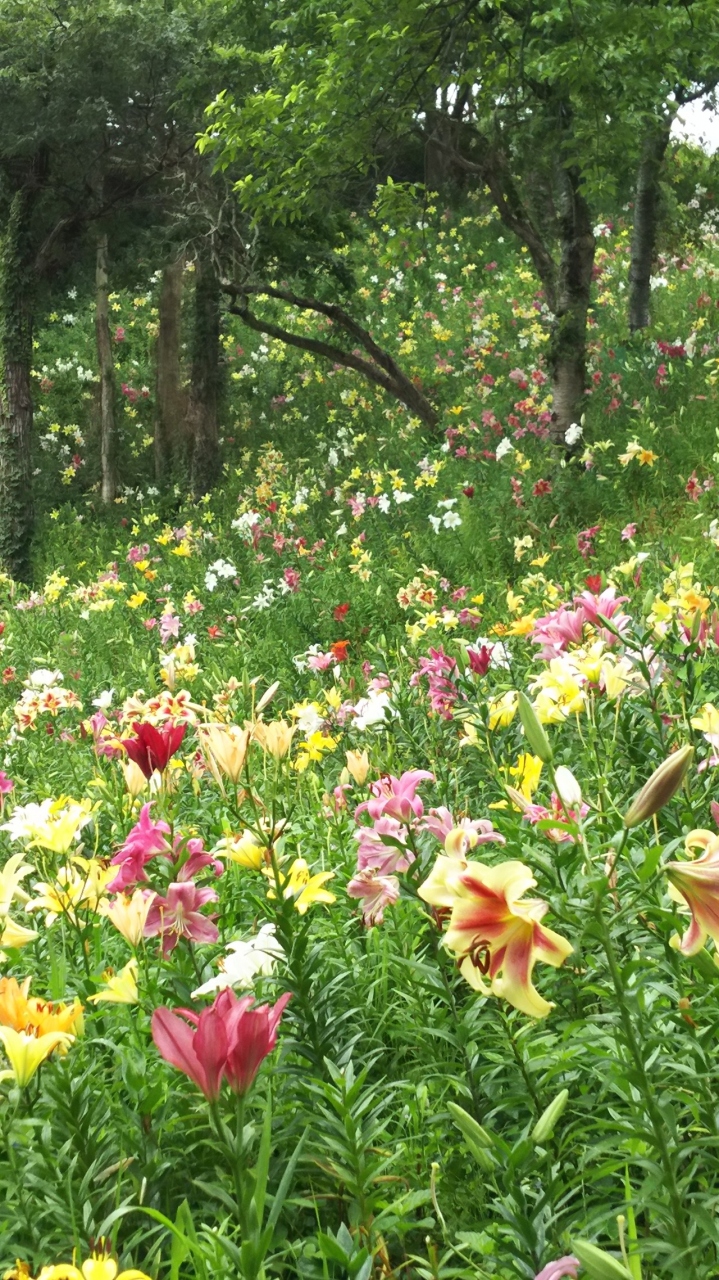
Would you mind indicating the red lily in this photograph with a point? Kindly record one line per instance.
(230, 1040)
(152, 748)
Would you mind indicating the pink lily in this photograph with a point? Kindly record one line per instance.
(178, 916)
(376, 855)
(567, 1266)
(480, 830)
(375, 892)
(395, 797)
(141, 844)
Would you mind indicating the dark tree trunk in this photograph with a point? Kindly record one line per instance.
(16, 408)
(646, 220)
(205, 381)
(108, 482)
(567, 353)
(171, 412)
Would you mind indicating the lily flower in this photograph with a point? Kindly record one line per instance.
(382, 848)
(697, 883)
(275, 737)
(143, 841)
(99, 1266)
(225, 748)
(129, 914)
(478, 830)
(246, 959)
(12, 873)
(28, 1013)
(494, 933)
(567, 1266)
(83, 883)
(396, 797)
(151, 748)
(228, 1040)
(16, 935)
(306, 889)
(26, 1053)
(52, 825)
(375, 892)
(119, 988)
(178, 916)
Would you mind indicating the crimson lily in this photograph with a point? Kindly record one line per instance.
(230, 1040)
(152, 748)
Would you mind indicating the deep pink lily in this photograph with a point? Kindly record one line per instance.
(146, 839)
(230, 1040)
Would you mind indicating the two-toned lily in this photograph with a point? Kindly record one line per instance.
(493, 931)
(696, 883)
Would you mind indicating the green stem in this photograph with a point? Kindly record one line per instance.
(653, 1112)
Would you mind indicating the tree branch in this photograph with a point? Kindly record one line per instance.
(383, 373)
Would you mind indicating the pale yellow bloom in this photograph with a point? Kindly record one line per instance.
(119, 988)
(225, 749)
(12, 873)
(135, 780)
(358, 766)
(82, 883)
(502, 709)
(129, 914)
(275, 737)
(53, 824)
(244, 849)
(16, 935)
(26, 1053)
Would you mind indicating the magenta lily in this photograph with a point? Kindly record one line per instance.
(146, 839)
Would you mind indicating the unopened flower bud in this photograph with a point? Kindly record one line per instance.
(568, 789)
(476, 1138)
(598, 1264)
(544, 1128)
(533, 731)
(518, 800)
(659, 789)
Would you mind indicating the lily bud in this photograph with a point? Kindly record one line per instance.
(544, 1128)
(568, 789)
(598, 1264)
(533, 731)
(659, 789)
(518, 800)
(358, 766)
(476, 1138)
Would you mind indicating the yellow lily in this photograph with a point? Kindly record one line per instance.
(119, 988)
(527, 771)
(26, 1053)
(83, 883)
(16, 935)
(53, 825)
(306, 889)
(12, 873)
(358, 766)
(98, 1267)
(244, 849)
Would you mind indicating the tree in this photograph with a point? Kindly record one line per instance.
(108, 444)
(171, 411)
(508, 92)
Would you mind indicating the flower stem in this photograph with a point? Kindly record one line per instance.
(653, 1112)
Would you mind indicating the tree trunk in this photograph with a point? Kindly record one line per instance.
(567, 353)
(646, 219)
(108, 483)
(205, 381)
(16, 408)
(171, 411)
